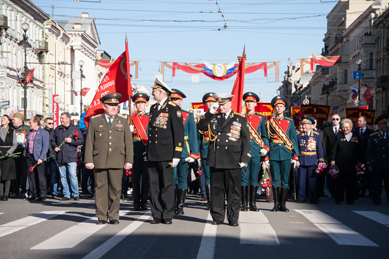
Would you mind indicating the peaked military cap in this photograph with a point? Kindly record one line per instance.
(111, 98)
(381, 119)
(279, 99)
(307, 119)
(177, 94)
(223, 98)
(160, 84)
(250, 96)
(209, 97)
(140, 97)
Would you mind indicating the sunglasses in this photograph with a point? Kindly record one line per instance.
(50, 123)
(335, 119)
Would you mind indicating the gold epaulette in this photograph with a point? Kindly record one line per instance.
(172, 103)
(287, 118)
(122, 116)
(314, 132)
(242, 115)
(96, 116)
(375, 133)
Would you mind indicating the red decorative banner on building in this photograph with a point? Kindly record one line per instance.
(319, 112)
(265, 109)
(56, 110)
(199, 105)
(354, 113)
(295, 114)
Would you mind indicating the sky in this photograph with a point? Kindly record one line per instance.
(193, 31)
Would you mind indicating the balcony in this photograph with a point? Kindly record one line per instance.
(325, 51)
(368, 40)
(338, 38)
(3, 22)
(42, 46)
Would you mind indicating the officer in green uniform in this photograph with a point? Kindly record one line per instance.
(377, 158)
(189, 153)
(283, 150)
(259, 146)
(203, 141)
(108, 149)
(140, 121)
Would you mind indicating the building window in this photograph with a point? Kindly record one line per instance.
(345, 76)
(371, 60)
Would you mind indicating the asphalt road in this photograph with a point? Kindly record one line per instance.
(54, 229)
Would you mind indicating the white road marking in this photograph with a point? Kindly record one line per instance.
(20, 224)
(376, 216)
(255, 229)
(339, 232)
(208, 241)
(1, 213)
(116, 239)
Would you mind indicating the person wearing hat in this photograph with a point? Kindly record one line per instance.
(189, 153)
(310, 155)
(228, 153)
(377, 155)
(21, 181)
(259, 147)
(283, 151)
(140, 121)
(108, 149)
(166, 140)
(203, 141)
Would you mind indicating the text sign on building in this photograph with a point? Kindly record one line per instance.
(357, 75)
(4, 104)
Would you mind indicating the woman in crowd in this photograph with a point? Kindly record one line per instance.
(7, 164)
(346, 154)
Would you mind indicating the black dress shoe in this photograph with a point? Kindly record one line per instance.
(155, 221)
(77, 198)
(216, 223)
(167, 222)
(65, 199)
(233, 224)
(300, 201)
(32, 198)
(101, 222)
(114, 222)
(314, 202)
(5, 198)
(41, 199)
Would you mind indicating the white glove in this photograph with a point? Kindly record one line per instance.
(189, 159)
(267, 163)
(242, 165)
(214, 107)
(263, 152)
(132, 128)
(292, 161)
(199, 162)
(144, 156)
(175, 162)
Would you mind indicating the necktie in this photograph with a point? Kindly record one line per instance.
(336, 130)
(110, 121)
(361, 134)
(223, 119)
(159, 106)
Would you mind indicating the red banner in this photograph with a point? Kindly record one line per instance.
(265, 109)
(295, 114)
(199, 105)
(56, 110)
(354, 113)
(319, 112)
(85, 91)
(326, 62)
(237, 90)
(30, 75)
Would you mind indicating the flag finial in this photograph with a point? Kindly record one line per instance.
(244, 51)
(126, 39)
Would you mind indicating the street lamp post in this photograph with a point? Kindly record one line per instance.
(359, 62)
(81, 64)
(25, 28)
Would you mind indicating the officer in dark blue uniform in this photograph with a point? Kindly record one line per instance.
(189, 153)
(311, 153)
(203, 141)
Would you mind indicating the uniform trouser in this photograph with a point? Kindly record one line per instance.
(347, 181)
(108, 184)
(202, 184)
(37, 176)
(225, 181)
(320, 181)
(140, 170)
(52, 175)
(21, 176)
(253, 168)
(206, 171)
(280, 169)
(161, 178)
(307, 183)
(180, 174)
(379, 176)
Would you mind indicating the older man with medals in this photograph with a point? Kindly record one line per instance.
(259, 143)
(283, 151)
(228, 153)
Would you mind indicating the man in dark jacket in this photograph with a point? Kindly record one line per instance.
(71, 137)
(50, 163)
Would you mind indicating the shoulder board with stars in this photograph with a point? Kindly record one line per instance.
(242, 115)
(121, 116)
(96, 116)
(172, 103)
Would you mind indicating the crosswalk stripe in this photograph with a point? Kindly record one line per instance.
(256, 230)
(339, 232)
(375, 216)
(20, 224)
(208, 241)
(116, 239)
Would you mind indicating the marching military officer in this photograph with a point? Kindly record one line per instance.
(166, 139)
(377, 158)
(259, 146)
(203, 141)
(228, 153)
(189, 153)
(140, 120)
(311, 154)
(108, 148)
(283, 150)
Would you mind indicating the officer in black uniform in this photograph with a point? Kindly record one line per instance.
(229, 151)
(166, 139)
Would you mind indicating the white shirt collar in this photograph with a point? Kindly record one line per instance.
(106, 117)
(227, 114)
(162, 102)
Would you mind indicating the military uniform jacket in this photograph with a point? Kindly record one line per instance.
(190, 136)
(141, 122)
(166, 132)
(377, 154)
(310, 148)
(258, 121)
(203, 141)
(278, 151)
(108, 147)
(229, 143)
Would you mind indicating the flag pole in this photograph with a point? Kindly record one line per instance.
(128, 83)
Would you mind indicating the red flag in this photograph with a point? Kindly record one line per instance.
(85, 91)
(114, 81)
(238, 88)
(367, 95)
(30, 75)
(300, 116)
(128, 70)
